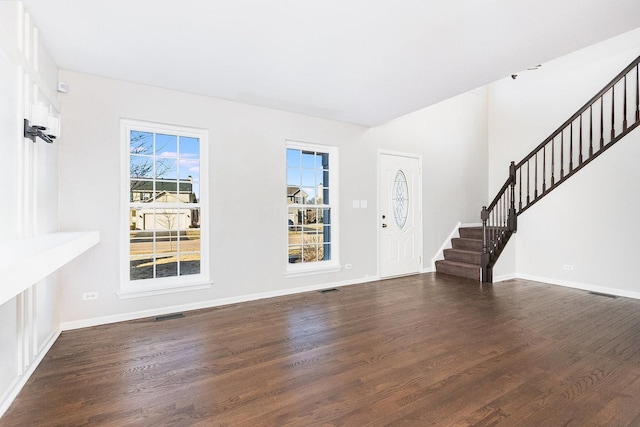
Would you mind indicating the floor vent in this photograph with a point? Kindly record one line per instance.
(169, 316)
(326, 291)
(603, 295)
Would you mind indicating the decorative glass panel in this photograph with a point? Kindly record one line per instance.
(400, 199)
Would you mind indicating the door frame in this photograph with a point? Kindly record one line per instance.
(420, 227)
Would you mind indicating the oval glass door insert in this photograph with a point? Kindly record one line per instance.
(400, 199)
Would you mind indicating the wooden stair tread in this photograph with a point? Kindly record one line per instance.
(460, 269)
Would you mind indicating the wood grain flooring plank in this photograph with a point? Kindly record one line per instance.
(421, 350)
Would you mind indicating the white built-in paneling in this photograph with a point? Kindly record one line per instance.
(29, 193)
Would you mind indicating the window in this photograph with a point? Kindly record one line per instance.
(312, 225)
(166, 232)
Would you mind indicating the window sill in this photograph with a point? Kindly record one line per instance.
(149, 291)
(312, 271)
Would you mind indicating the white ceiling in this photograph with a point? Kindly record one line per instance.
(358, 61)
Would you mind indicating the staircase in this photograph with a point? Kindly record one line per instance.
(464, 259)
(604, 120)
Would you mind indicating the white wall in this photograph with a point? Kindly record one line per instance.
(452, 138)
(247, 187)
(579, 223)
(29, 193)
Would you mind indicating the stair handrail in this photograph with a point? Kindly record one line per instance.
(584, 109)
(499, 219)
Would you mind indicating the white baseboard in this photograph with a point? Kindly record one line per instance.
(96, 321)
(504, 277)
(14, 389)
(583, 286)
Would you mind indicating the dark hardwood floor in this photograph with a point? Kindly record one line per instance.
(414, 351)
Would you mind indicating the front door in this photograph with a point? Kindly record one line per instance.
(399, 215)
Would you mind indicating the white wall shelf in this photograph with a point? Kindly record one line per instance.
(26, 261)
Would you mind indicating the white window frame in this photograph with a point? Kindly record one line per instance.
(318, 267)
(156, 286)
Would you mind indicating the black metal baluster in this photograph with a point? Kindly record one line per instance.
(601, 121)
(528, 185)
(624, 106)
(520, 191)
(562, 154)
(500, 216)
(637, 95)
(553, 163)
(613, 112)
(571, 148)
(493, 229)
(505, 210)
(544, 169)
(535, 178)
(580, 145)
(590, 130)
(512, 217)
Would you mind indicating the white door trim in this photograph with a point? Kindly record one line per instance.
(420, 227)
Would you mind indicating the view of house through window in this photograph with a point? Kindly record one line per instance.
(164, 205)
(309, 205)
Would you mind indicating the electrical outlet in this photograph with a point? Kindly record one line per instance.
(568, 267)
(348, 266)
(89, 295)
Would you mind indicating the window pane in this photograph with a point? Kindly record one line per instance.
(141, 267)
(166, 146)
(189, 169)
(140, 242)
(140, 142)
(326, 253)
(308, 178)
(190, 264)
(326, 216)
(168, 219)
(293, 157)
(189, 148)
(311, 253)
(189, 240)
(294, 220)
(141, 247)
(322, 161)
(295, 254)
(308, 160)
(293, 177)
(140, 167)
(166, 168)
(187, 193)
(308, 195)
(166, 266)
(323, 196)
(166, 192)
(141, 190)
